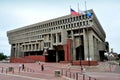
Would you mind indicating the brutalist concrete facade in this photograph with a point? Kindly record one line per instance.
(67, 38)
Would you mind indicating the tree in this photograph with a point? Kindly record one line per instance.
(119, 56)
(2, 56)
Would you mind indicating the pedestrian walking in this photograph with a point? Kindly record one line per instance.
(39, 62)
(20, 66)
(42, 67)
(23, 67)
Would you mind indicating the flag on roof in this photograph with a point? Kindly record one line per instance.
(73, 12)
(81, 12)
(88, 14)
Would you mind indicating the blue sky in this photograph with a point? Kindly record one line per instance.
(18, 13)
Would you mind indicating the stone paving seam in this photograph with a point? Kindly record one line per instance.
(67, 78)
(22, 76)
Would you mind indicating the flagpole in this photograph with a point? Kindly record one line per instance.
(71, 54)
(87, 35)
(80, 54)
(85, 6)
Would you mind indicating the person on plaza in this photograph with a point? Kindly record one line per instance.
(20, 66)
(68, 67)
(42, 67)
(23, 67)
(39, 62)
(83, 70)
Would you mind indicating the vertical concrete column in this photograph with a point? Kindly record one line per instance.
(65, 52)
(12, 51)
(25, 47)
(56, 38)
(42, 45)
(73, 55)
(85, 44)
(35, 46)
(39, 47)
(96, 50)
(51, 40)
(56, 55)
(18, 51)
(31, 47)
(69, 41)
(91, 45)
(28, 47)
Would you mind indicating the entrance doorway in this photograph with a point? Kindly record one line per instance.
(53, 56)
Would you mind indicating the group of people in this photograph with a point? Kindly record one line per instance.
(69, 67)
(22, 67)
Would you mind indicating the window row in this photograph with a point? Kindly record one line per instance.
(40, 31)
(63, 21)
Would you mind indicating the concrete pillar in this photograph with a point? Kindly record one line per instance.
(39, 47)
(18, 52)
(73, 48)
(85, 44)
(12, 51)
(69, 43)
(65, 52)
(57, 56)
(72, 52)
(91, 45)
(56, 38)
(32, 47)
(35, 47)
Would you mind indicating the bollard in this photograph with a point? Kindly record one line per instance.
(13, 70)
(83, 76)
(30, 70)
(76, 76)
(61, 71)
(89, 78)
(6, 70)
(24, 69)
(19, 69)
(2, 70)
(70, 74)
(27, 69)
(66, 73)
(73, 75)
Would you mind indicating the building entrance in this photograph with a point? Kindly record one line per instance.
(55, 56)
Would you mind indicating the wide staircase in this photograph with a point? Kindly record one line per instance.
(22, 60)
(107, 66)
(117, 69)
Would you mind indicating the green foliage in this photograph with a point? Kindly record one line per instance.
(105, 58)
(2, 56)
(119, 56)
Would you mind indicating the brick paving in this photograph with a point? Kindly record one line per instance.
(33, 72)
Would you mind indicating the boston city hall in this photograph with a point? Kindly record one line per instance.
(64, 39)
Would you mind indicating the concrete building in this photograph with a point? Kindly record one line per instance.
(67, 38)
